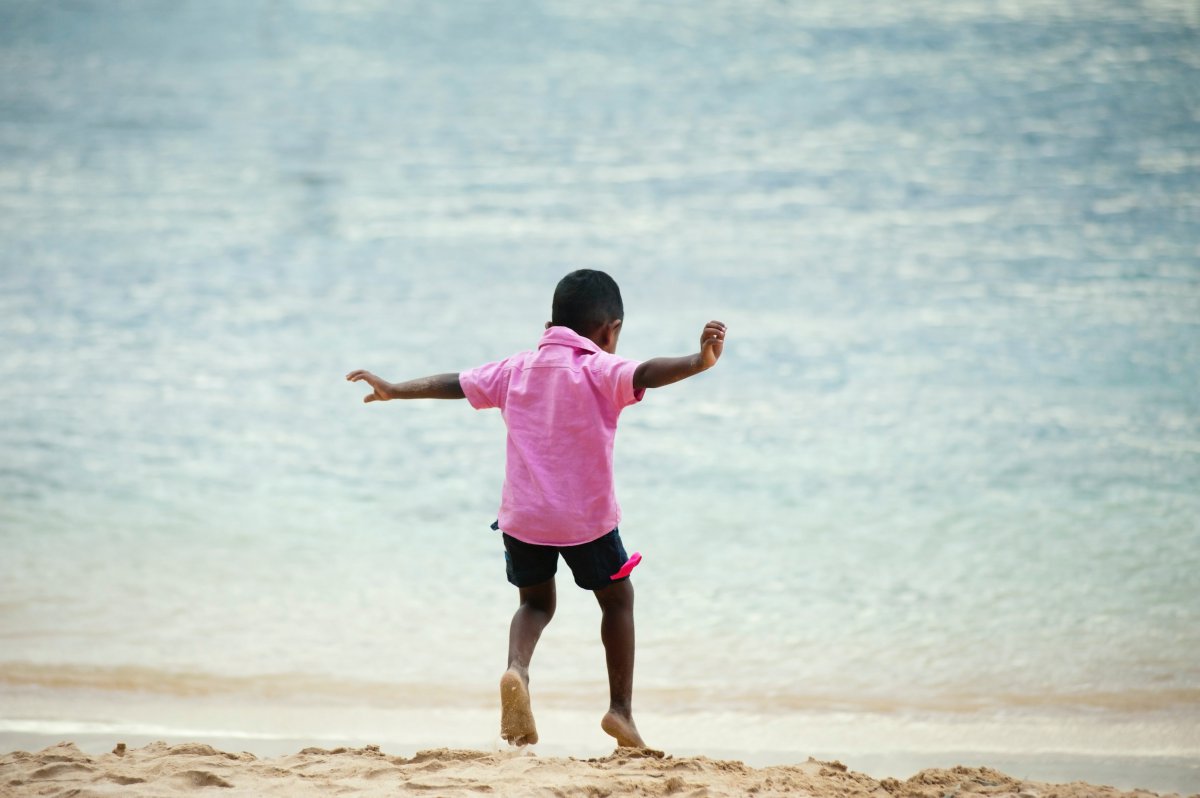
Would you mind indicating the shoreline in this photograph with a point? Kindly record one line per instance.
(1155, 751)
(370, 771)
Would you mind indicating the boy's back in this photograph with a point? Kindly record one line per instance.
(560, 403)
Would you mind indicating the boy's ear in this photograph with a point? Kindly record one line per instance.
(549, 324)
(610, 332)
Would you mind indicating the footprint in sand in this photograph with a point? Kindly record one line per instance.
(516, 714)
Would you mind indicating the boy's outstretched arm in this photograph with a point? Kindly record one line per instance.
(660, 371)
(438, 386)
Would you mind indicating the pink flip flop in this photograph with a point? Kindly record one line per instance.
(628, 567)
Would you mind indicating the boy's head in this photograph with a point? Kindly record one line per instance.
(589, 302)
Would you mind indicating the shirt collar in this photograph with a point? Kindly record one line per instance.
(565, 336)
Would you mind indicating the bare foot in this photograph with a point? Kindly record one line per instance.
(622, 728)
(516, 715)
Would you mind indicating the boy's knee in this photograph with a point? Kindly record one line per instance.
(540, 598)
(616, 597)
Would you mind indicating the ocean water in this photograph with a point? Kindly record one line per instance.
(944, 484)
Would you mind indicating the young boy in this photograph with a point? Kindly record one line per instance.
(560, 403)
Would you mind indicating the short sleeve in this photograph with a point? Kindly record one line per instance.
(485, 386)
(618, 377)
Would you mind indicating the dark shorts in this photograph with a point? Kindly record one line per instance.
(592, 564)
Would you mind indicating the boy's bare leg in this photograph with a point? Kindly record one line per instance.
(616, 631)
(516, 713)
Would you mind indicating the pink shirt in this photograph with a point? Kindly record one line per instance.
(560, 403)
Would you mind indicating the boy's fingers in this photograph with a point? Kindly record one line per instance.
(370, 398)
(712, 340)
(714, 333)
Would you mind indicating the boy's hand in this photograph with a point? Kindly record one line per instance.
(659, 371)
(712, 343)
(381, 386)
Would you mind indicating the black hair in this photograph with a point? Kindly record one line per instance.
(585, 300)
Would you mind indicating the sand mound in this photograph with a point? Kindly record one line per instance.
(159, 769)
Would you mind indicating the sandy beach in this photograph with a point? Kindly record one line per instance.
(161, 769)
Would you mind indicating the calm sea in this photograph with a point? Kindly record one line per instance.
(945, 482)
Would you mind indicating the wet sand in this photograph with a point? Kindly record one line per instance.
(161, 769)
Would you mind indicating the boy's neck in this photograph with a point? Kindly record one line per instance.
(605, 336)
